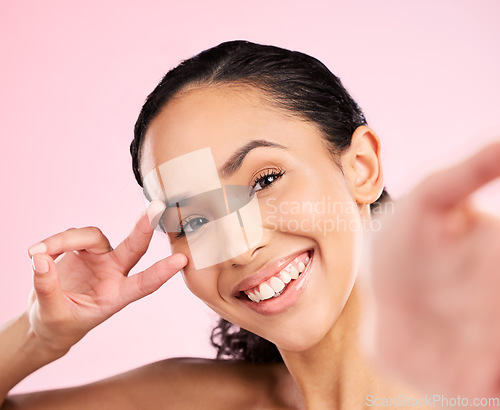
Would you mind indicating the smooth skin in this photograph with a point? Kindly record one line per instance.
(81, 290)
(317, 335)
(86, 286)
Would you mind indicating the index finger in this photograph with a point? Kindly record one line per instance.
(453, 185)
(135, 245)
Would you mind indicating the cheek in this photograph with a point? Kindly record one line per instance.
(197, 281)
(180, 245)
(202, 282)
(316, 207)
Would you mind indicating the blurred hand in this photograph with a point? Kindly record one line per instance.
(435, 285)
(89, 282)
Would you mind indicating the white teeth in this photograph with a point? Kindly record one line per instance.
(277, 284)
(285, 276)
(253, 298)
(266, 291)
(294, 273)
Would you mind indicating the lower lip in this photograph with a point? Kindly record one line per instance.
(289, 297)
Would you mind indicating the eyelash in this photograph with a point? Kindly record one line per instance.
(269, 173)
(184, 222)
(275, 174)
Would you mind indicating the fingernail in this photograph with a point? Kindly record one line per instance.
(37, 248)
(155, 210)
(39, 265)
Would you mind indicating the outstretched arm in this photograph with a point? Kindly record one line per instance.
(435, 284)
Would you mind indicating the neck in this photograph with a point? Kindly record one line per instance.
(333, 374)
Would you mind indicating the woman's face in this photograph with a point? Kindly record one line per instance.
(310, 221)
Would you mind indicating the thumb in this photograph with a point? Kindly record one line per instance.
(146, 282)
(46, 283)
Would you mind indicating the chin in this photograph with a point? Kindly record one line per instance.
(305, 331)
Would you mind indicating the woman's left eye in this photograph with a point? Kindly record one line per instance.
(266, 179)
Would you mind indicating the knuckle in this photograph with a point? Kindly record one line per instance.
(143, 285)
(95, 230)
(130, 246)
(140, 285)
(96, 234)
(44, 288)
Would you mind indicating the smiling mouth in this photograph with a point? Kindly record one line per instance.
(277, 284)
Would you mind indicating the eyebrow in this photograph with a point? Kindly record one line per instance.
(234, 162)
(229, 168)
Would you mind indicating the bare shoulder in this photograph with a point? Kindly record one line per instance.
(221, 384)
(179, 383)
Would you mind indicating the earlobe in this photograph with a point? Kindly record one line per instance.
(362, 165)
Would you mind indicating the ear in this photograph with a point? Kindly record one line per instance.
(362, 166)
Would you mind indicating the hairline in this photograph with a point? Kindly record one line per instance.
(248, 84)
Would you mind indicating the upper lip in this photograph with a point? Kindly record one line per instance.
(267, 271)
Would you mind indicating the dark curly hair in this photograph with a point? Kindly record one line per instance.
(298, 84)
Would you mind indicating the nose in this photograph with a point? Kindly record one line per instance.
(245, 258)
(252, 252)
(253, 227)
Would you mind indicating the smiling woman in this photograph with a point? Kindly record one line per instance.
(225, 98)
(229, 141)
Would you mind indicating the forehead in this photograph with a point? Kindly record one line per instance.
(221, 118)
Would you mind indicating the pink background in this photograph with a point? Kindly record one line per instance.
(74, 75)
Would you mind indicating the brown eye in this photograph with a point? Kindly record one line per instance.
(266, 180)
